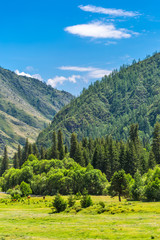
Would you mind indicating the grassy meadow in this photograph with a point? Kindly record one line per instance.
(33, 219)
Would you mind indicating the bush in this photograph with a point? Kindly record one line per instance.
(71, 201)
(25, 189)
(86, 200)
(15, 193)
(59, 203)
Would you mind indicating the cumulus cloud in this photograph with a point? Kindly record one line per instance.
(108, 11)
(53, 82)
(36, 76)
(99, 30)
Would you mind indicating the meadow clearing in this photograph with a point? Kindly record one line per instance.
(33, 219)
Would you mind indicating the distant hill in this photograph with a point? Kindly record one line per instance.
(27, 105)
(109, 106)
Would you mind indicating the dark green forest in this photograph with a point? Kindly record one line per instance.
(101, 166)
(110, 106)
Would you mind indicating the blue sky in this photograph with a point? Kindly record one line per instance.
(69, 44)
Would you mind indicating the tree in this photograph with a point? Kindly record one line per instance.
(59, 203)
(54, 153)
(35, 150)
(74, 144)
(151, 160)
(25, 189)
(25, 152)
(156, 142)
(119, 184)
(42, 153)
(5, 161)
(20, 155)
(15, 161)
(60, 145)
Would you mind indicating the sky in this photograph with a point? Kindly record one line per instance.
(70, 43)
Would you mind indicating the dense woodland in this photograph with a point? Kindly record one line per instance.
(110, 106)
(97, 165)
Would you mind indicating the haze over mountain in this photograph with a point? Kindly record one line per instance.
(27, 105)
(109, 106)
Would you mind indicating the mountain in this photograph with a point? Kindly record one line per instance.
(27, 105)
(110, 106)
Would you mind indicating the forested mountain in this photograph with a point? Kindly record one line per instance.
(110, 106)
(27, 105)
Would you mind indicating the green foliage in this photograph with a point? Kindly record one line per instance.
(59, 203)
(71, 200)
(25, 189)
(86, 200)
(119, 184)
(110, 106)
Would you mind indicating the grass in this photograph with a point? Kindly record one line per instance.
(32, 219)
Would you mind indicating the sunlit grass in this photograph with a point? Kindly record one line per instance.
(32, 219)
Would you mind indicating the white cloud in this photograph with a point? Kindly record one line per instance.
(36, 76)
(110, 43)
(92, 73)
(53, 82)
(108, 11)
(99, 30)
(30, 68)
(77, 69)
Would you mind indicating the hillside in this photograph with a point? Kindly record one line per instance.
(109, 106)
(27, 105)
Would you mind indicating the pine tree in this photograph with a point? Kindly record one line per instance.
(25, 153)
(122, 155)
(60, 145)
(19, 155)
(15, 161)
(42, 153)
(5, 161)
(30, 149)
(151, 160)
(74, 144)
(78, 157)
(35, 150)
(54, 153)
(156, 142)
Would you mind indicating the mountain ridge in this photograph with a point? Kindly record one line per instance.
(110, 106)
(27, 103)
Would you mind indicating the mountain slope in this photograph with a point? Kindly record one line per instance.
(111, 105)
(26, 107)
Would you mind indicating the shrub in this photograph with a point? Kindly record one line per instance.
(25, 189)
(71, 201)
(86, 200)
(59, 203)
(15, 193)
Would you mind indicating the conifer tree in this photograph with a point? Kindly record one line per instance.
(35, 150)
(42, 153)
(15, 161)
(30, 149)
(151, 160)
(54, 147)
(25, 152)
(74, 144)
(78, 157)
(19, 155)
(60, 145)
(5, 161)
(156, 142)
(122, 155)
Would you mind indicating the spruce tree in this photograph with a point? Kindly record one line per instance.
(35, 150)
(74, 144)
(30, 149)
(54, 153)
(19, 155)
(78, 157)
(25, 153)
(151, 160)
(5, 161)
(15, 161)
(60, 145)
(156, 142)
(42, 153)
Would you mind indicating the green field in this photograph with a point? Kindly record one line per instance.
(33, 219)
